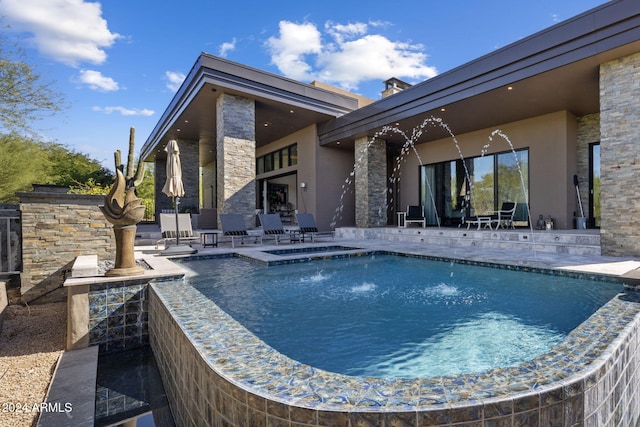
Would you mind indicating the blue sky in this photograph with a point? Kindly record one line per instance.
(118, 64)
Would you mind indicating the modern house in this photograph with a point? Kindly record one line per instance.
(523, 124)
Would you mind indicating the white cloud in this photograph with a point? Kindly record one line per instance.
(125, 111)
(96, 81)
(227, 47)
(174, 80)
(68, 31)
(352, 55)
(289, 50)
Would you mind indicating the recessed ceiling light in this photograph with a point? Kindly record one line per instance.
(443, 109)
(510, 88)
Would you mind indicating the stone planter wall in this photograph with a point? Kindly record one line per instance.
(56, 228)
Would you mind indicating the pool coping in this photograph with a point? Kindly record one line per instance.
(251, 364)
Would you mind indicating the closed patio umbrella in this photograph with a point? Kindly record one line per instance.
(174, 188)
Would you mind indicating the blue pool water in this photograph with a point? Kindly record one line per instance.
(399, 317)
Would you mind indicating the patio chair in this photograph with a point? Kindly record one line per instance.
(233, 226)
(168, 228)
(307, 226)
(272, 227)
(415, 214)
(504, 217)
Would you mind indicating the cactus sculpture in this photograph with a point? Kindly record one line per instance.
(124, 210)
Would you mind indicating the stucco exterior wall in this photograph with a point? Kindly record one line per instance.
(551, 140)
(327, 173)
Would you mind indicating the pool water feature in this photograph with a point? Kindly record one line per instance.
(390, 316)
(216, 372)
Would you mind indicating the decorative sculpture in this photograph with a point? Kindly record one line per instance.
(124, 210)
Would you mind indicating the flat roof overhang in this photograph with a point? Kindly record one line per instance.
(282, 105)
(553, 70)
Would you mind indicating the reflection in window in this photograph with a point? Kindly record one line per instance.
(482, 185)
(511, 182)
(449, 194)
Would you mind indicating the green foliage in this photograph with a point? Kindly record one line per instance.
(89, 187)
(146, 191)
(24, 162)
(68, 167)
(21, 164)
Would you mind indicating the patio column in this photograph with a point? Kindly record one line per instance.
(619, 154)
(371, 182)
(236, 156)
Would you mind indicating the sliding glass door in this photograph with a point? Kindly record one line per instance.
(455, 189)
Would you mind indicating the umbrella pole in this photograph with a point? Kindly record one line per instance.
(175, 209)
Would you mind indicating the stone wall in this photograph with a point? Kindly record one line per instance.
(620, 155)
(371, 183)
(236, 156)
(56, 228)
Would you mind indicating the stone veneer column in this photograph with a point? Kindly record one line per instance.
(236, 156)
(371, 182)
(620, 156)
(190, 162)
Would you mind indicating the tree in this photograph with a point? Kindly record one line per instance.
(24, 162)
(24, 98)
(21, 164)
(24, 95)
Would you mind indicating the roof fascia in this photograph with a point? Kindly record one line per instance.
(250, 82)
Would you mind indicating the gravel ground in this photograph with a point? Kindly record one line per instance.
(32, 340)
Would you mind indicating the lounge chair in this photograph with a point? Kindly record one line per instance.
(504, 217)
(233, 226)
(168, 228)
(307, 226)
(272, 227)
(415, 214)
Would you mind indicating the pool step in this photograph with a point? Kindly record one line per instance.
(573, 242)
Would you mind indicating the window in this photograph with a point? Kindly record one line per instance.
(282, 158)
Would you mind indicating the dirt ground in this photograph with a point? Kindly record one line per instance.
(32, 340)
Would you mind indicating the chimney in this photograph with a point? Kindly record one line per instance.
(393, 86)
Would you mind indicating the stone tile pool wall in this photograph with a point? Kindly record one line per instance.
(217, 373)
(118, 315)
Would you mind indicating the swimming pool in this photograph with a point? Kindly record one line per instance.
(389, 316)
(216, 371)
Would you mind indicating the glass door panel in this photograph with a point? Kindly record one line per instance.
(482, 190)
(594, 186)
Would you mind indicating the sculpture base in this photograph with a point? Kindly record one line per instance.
(125, 271)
